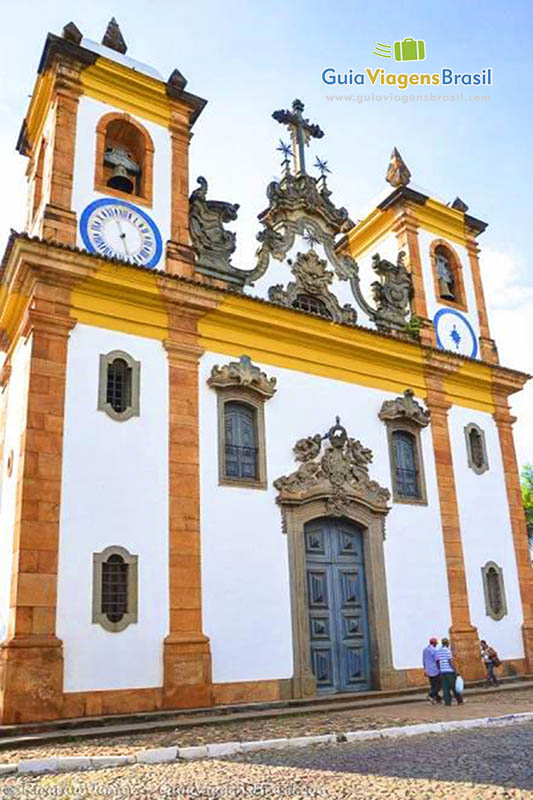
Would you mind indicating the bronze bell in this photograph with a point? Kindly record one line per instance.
(123, 167)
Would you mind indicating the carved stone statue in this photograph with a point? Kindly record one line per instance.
(392, 293)
(338, 473)
(213, 245)
(311, 284)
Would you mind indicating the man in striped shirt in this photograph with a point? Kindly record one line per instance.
(448, 672)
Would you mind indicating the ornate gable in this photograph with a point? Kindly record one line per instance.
(337, 473)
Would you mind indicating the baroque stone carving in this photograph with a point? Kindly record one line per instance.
(405, 408)
(213, 245)
(337, 473)
(242, 374)
(312, 280)
(392, 293)
(397, 172)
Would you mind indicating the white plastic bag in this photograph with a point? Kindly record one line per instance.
(459, 685)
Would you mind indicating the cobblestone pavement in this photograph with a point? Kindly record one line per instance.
(495, 703)
(470, 765)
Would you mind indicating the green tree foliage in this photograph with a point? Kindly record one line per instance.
(527, 498)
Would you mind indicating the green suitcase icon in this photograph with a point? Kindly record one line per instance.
(410, 50)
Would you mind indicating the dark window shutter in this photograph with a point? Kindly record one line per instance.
(241, 441)
(405, 464)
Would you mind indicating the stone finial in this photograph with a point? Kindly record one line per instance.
(113, 37)
(397, 173)
(459, 205)
(72, 33)
(177, 80)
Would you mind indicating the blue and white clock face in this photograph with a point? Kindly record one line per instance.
(117, 229)
(455, 333)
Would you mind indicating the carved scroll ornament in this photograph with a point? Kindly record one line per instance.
(338, 472)
(242, 374)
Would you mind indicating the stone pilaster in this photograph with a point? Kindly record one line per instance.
(487, 345)
(179, 253)
(59, 220)
(31, 658)
(406, 230)
(504, 422)
(463, 635)
(187, 658)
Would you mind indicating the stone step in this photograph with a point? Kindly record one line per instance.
(152, 721)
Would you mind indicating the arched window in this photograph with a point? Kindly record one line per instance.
(306, 302)
(495, 602)
(114, 588)
(404, 450)
(119, 388)
(124, 158)
(240, 441)
(476, 448)
(448, 274)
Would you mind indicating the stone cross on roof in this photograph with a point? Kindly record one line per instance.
(301, 131)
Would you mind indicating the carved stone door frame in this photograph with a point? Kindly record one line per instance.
(296, 516)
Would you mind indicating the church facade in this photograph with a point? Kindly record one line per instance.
(223, 485)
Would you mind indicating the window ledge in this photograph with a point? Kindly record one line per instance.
(140, 200)
(244, 484)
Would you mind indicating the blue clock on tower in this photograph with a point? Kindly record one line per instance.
(117, 229)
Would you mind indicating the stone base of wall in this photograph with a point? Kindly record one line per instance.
(31, 708)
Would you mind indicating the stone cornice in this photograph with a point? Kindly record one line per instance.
(398, 361)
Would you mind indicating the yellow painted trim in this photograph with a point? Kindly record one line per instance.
(120, 300)
(445, 222)
(124, 88)
(471, 387)
(370, 231)
(283, 338)
(11, 309)
(40, 103)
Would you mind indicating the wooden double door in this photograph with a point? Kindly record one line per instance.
(337, 605)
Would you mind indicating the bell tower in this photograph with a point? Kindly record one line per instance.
(103, 135)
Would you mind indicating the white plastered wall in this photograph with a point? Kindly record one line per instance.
(114, 492)
(15, 424)
(486, 532)
(245, 575)
(89, 113)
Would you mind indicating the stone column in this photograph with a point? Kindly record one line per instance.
(487, 345)
(463, 635)
(505, 421)
(187, 658)
(31, 659)
(179, 253)
(406, 230)
(59, 221)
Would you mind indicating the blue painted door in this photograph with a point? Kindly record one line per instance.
(337, 602)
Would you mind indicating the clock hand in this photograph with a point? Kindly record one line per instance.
(123, 237)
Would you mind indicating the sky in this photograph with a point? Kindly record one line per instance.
(250, 58)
